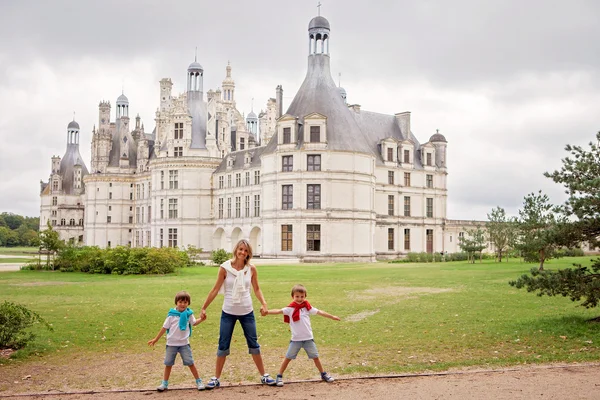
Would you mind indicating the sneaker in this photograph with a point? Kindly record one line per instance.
(162, 387)
(213, 383)
(199, 384)
(279, 380)
(326, 377)
(267, 380)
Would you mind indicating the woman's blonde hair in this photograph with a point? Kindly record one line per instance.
(247, 244)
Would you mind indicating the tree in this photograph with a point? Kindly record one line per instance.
(13, 221)
(50, 242)
(501, 231)
(473, 242)
(540, 226)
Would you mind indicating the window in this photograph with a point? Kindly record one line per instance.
(148, 241)
(162, 180)
(429, 181)
(137, 239)
(287, 135)
(72, 222)
(429, 207)
(143, 190)
(81, 222)
(313, 197)
(110, 195)
(313, 237)
(138, 194)
(162, 208)
(242, 143)
(315, 134)
(131, 196)
(407, 239)
(53, 222)
(172, 208)
(461, 235)
(407, 179)
(142, 215)
(287, 197)
(287, 163)
(131, 219)
(221, 207)
(257, 177)
(228, 180)
(172, 237)
(149, 213)
(390, 238)
(247, 178)
(108, 244)
(108, 220)
(391, 177)
(173, 179)
(286, 237)
(238, 180)
(178, 151)
(54, 201)
(137, 215)
(390, 154)
(429, 159)
(406, 206)
(313, 162)
(247, 206)
(221, 182)
(257, 205)
(54, 186)
(407, 156)
(178, 130)
(229, 207)
(238, 207)
(110, 184)
(391, 204)
(109, 208)
(429, 236)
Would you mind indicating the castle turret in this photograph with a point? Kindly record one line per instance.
(101, 139)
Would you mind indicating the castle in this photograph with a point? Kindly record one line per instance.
(324, 181)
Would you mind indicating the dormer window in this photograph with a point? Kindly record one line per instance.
(390, 154)
(429, 159)
(248, 158)
(287, 135)
(315, 134)
(407, 156)
(178, 130)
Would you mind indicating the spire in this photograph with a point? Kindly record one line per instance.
(319, 9)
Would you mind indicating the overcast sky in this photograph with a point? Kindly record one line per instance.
(507, 82)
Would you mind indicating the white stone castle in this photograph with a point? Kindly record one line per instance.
(326, 181)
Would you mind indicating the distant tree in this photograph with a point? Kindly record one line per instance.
(501, 231)
(33, 223)
(13, 221)
(50, 242)
(474, 241)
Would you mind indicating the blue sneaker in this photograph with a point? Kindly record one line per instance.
(199, 384)
(213, 383)
(163, 386)
(326, 377)
(267, 380)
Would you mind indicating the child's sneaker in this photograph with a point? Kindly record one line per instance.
(279, 380)
(163, 386)
(199, 384)
(213, 383)
(326, 377)
(267, 380)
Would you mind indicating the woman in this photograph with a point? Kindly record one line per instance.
(234, 281)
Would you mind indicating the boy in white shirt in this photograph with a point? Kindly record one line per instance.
(297, 314)
(178, 326)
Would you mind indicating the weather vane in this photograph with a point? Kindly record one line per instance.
(319, 8)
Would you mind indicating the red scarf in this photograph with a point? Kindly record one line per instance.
(296, 314)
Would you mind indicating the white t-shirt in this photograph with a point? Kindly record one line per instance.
(245, 306)
(301, 329)
(175, 336)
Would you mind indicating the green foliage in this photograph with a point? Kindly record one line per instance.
(50, 242)
(575, 283)
(474, 241)
(501, 230)
(121, 260)
(16, 230)
(219, 256)
(15, 323)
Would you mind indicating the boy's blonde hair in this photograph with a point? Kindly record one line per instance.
(299, 289)
(183, 295)
(247, 244)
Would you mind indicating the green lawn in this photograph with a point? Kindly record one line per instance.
(395, 317)
(19, 250)
(15, 260)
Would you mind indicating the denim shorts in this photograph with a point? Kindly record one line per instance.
(184, 351)
(308, 345)
(226, 332)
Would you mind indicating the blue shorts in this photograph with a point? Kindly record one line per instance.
(308, 345)
(184, 351)
(226, 332)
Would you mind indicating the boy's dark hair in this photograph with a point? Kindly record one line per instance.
(299, 289)
(183, 295)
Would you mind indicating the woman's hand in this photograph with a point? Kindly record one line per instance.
(202, 315)
(264, 310)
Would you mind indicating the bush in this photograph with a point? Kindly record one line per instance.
(219, 256)
(15, 320)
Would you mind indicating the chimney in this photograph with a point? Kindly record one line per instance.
(279, 100)
(403, 119)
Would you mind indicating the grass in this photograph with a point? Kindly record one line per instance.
(396, 318)
(19, 250)
(15, 260)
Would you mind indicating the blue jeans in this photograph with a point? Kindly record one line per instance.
(308, 345)
(226, 332)
(184, 351)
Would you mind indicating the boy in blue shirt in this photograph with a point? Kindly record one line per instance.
(178, 326)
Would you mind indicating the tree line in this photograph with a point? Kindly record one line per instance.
(17, 230)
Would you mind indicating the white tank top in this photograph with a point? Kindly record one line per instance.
(245, 306)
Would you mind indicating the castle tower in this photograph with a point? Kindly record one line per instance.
(228, 86)
(101, 139)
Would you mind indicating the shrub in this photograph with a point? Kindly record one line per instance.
(219, 256)
(15, 320)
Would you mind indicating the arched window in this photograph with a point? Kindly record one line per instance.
(72, 222)
(63, 221)
(81, 222)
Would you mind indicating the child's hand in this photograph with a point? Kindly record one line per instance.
(198, 321)
(264, 313)
(335, 318)
(152, 342)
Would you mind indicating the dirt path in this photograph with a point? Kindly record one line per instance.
(556, 382)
